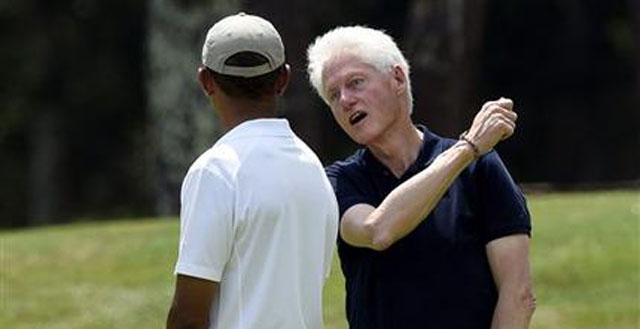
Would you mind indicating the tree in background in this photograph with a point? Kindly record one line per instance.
(575, 60)
(72, 107)
(100, 113)
(181, 124)
(634, 7)
(444, 40)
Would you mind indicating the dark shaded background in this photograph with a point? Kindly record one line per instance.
(101, 113)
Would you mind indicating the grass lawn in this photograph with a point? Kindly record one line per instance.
(118, 274)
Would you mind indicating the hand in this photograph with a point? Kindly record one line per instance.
(495, 121)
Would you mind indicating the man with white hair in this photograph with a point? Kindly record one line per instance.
(434, 233)
(258, 217)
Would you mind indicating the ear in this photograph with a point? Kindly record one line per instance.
(399, 79)
(206, 81)
(283, 80)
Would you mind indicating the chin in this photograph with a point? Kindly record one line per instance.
(363, 134)
(362, 138)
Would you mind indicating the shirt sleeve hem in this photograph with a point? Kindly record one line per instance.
(199, 272)
(508, 231)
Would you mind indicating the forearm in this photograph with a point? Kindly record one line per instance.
(191, 304)
(509, 261)
(411, 202)
(176, 321)
(513, 310)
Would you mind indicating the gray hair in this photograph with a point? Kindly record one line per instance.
(373, 47)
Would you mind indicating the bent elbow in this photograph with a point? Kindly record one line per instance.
(380, 244)
(528, 300)
(380, 240)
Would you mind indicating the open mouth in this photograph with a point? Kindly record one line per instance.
(356, 117)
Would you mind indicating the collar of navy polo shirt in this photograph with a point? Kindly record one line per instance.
(273, 127)
(432, 145)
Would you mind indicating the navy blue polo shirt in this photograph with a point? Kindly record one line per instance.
(438, 276)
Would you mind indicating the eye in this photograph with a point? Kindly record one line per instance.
(333, 96)
(356, 82)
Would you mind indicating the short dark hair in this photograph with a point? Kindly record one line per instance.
(241, 87)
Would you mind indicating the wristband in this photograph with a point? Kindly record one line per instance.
(474, 147)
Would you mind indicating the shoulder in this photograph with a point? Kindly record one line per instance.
(490, 163)
(350, 165)
(220, 161)
(433, 143)
(435, 140)
(209, 181)
(307, 152)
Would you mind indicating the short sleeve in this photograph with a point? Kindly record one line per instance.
(502, 204)
(206, 225)
(347, 192)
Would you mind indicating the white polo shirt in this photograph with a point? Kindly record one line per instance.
(259, 216)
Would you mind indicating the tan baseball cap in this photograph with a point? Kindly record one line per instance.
(242, 33)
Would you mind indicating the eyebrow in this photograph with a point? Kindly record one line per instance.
(349, 75)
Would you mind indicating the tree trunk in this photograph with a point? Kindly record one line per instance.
(44, 169)
(635, 24)
(443, 43)
(183, 123)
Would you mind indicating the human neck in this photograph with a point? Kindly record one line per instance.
(233, 112)
(398, 148)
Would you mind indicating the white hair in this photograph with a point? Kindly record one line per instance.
(373, 47)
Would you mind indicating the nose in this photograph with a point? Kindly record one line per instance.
(347, 99)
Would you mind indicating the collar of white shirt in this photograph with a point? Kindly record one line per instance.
(260, 127)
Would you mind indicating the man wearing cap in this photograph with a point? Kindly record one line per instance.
(434, 233)
(258, 215)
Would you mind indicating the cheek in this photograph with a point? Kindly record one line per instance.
(387, 104)
(339, 118)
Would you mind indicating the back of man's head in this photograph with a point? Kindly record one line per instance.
(244, 55)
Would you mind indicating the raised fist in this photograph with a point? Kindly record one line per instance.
(495, 121)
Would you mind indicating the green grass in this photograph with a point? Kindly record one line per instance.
(585, 255)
